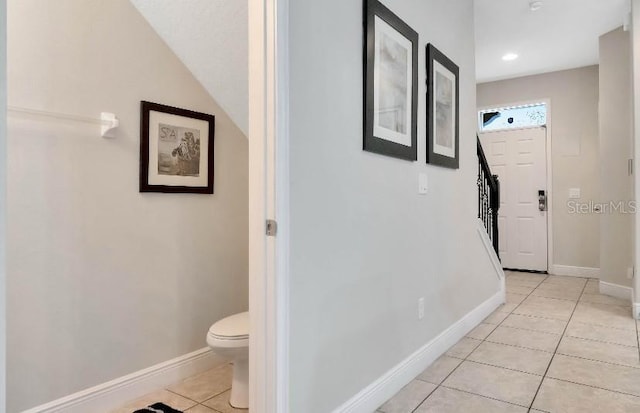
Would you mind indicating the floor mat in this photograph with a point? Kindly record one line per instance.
(158, 408)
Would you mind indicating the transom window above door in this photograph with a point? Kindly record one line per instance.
(514, 117)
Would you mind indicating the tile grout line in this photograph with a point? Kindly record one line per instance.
(594, 387)
(602, 325)
(610, 343)
(197, 402)
(543, 318)
(184, 397)
(557, 346)
(512, 312)
(542, 351)
(516, 346)
(601, 341)
(481, 341)
(202, 402)
(528, 295)
(428, 395)
(206, 407)
(456, 367)
(561, 335)
(502, 367)
(500, 324)
(573, 356)
(535, 331)
(555, 298)
(484, 397)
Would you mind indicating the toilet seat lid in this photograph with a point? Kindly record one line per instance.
(232, 327)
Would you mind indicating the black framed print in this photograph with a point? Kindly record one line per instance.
(176, 150)
(390, 84)
(443, 117)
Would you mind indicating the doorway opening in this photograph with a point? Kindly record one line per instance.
(515, 141)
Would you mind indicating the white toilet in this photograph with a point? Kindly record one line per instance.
(229, 338)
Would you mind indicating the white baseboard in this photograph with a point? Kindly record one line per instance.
(636, 311)
(618, 291)
(371, 397)
(571, 271)
(488, 246)
(116, 393)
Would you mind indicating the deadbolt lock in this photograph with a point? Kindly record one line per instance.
(542, 200)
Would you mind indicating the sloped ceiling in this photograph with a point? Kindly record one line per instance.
(210, 37)
(563, 34)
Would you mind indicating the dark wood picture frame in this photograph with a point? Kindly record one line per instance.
(374, 141)
(197, 132)
(436, 61)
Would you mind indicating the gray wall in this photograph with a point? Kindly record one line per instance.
(575, 164)
(3, 200)
(364, 245)
(616, 94)
(104, 281)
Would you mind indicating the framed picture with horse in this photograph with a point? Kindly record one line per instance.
(176, 150)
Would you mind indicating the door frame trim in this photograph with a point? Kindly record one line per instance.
(549, 165)
(635, 55)
(3, 199)
(268, 199)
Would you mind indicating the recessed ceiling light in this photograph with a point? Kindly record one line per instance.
(509, 57)
(535, 5)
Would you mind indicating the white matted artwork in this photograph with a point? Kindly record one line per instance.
(444, 101)
(390, 84)
(442, 109)
(176, 150)
(176, 144)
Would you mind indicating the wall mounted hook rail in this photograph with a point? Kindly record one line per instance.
(108, 121)
(109, 124)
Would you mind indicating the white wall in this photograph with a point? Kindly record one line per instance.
(103, 280)
(575, 163)
(616, 123)
(364, 245)
(3, 201)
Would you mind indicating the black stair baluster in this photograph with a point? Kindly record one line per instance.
(488, 198)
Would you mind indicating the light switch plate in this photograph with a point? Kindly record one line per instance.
(574, 193)
(423, 183)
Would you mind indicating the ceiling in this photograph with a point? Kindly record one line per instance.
(211, 39)
(563, 34)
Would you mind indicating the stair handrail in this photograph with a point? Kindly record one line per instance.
(488, 197)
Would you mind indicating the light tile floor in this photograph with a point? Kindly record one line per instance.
(207, 392)
(557, 345)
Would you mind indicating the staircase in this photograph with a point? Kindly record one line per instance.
(488, 198)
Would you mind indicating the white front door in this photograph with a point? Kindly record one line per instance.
(519, 159)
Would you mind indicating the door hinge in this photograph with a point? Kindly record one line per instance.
(272, 228)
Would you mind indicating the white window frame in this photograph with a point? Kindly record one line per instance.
(506, 107)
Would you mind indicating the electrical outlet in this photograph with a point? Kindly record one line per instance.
(420, 308)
